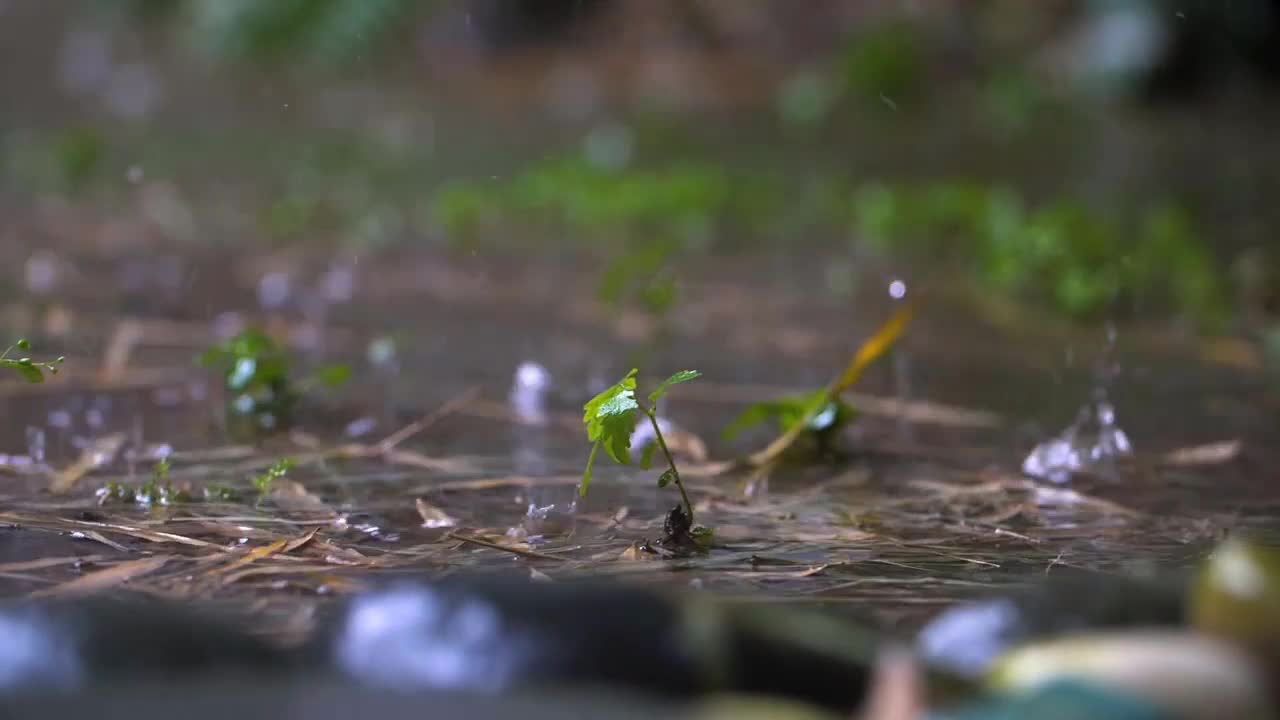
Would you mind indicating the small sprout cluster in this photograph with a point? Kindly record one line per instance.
(30, 370)
(610, 420)
(263, 481)
(157, 490)
(257, 375)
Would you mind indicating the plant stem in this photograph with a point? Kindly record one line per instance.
(671, 462)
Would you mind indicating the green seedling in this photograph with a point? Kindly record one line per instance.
(786, 411)
(157, 490)
(265, 480)
(610, 419)
(30, 370)
(258, 379)
(822, 412)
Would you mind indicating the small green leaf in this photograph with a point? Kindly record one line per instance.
(680, 377)
(646, 457)
(610, 418)
(29, 372)
(23, 344)
(333, 375)
(666, 478)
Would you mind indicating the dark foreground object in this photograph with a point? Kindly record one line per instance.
(479, 636)
(250, 698)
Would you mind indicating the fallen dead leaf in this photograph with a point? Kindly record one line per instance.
(109, 578)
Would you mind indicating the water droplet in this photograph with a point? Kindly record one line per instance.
(35, 444)
(897, 289)
(41, 272)
(273, 290)
(609, 147)
(528, 391)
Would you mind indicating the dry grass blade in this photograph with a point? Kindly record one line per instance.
(391, 441)
(42, 563)
(101, 452)
(1209, 454)
(531, 554)
(871, 350)
(107, 579)
(115, 360)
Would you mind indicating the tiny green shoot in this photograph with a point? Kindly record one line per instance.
(264, 480)
(610, 420)
(157, 490)
(822, 410)
(30, 370)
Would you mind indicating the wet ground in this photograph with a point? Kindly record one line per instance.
(929, 507)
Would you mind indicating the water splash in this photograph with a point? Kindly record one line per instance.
(1094, 439)
(551, 510)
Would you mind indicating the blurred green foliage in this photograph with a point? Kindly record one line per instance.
(884, 61)
(684, 201)
(323, 31)
(258, 377)
(64, 161)
(1080, 261)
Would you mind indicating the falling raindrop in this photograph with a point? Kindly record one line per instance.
(897, 289)
(35, 444)
(273, 290)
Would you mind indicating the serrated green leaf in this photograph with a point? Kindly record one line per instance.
(646, 458)
(610, 418)
(666, 478)
(676, 379)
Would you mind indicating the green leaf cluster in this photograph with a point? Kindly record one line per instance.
(257, 374)
(31, 370)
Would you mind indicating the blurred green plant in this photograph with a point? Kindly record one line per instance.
(324, 31)
(257, 375)
(264, 481)
(884, 62)
(809, 423)
(784, 412)
(63, 161)
(31, 370)
(644, 217)
(1080, 261)
(682, 201)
